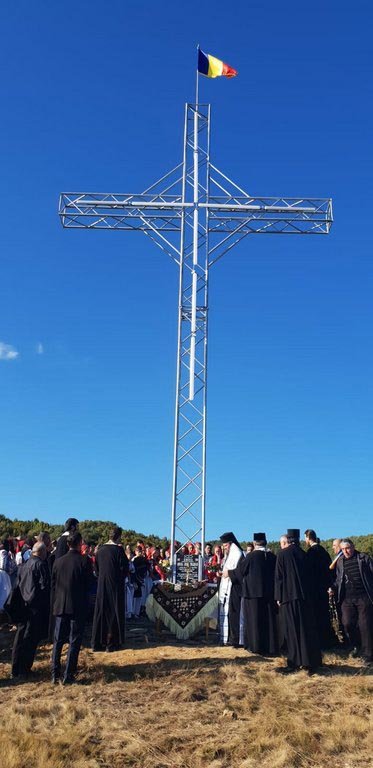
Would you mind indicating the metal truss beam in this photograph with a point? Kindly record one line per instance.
(139, 212)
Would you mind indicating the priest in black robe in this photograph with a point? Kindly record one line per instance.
(138, 577)
(260, 616)
(112, 567)
(71, 525)
(293, 594)
(319, 561)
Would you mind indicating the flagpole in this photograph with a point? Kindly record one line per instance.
(193, 318)
(197, 79)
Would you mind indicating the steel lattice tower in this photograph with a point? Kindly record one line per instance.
(195, 213)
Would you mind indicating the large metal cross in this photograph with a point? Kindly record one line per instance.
(195, 213)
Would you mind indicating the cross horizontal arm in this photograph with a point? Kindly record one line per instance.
(145, 212)
(162, 212)
(259, 215)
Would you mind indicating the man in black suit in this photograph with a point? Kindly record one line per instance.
(71, 525)
(70, 584)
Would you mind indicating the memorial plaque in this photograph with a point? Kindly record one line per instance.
(186, 568)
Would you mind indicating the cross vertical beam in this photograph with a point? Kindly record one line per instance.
(189, 470)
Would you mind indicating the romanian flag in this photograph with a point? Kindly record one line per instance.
(211, 67)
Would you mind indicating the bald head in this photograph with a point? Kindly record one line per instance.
(39, 550)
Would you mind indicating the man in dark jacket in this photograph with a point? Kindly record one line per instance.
(71, 578)
(354, 586)
(62, 548)
(33, 586)
(293, 594)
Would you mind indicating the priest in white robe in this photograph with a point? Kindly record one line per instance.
(230, 614)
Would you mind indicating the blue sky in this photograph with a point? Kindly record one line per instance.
(92, 98)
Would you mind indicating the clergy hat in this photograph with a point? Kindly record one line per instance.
(259, 537)
(72, 522)
(293, 533)
(229, 538)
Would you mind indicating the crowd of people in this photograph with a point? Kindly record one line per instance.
(298, 603)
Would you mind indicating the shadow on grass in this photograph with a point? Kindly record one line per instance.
(116, 672)
(166, 667)
(140, 634)
(330, 670)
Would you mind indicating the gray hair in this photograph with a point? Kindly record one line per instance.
(347, 541)
(39, 550)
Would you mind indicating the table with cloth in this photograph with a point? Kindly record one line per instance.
(183, 612)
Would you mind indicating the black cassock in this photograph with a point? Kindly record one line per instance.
(292, 590)
(234, 607)
(318, 561)
(111, 566)
(260, 618)
(62, 547)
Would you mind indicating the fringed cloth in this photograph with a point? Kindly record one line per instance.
(183, 613)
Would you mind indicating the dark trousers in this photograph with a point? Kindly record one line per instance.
(68, 629)
(357, 620)
(25, 644)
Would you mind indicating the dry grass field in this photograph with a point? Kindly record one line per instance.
(161, 704)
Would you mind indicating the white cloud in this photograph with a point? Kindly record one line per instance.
(40, 349)
(7, 352)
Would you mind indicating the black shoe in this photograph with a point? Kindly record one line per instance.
(21, 677)
(70, 680)
(288, 670)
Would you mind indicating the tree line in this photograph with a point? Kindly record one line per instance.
(97, 532)
(93, 531)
